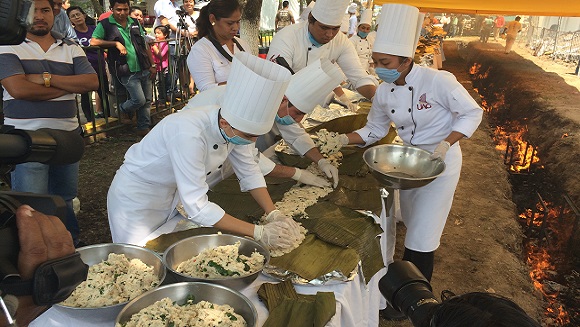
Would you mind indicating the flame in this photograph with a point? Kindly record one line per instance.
(565, 135)
(475, 71)
(522, 154)
(541, 260)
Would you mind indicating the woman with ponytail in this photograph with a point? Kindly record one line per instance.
(210, 58)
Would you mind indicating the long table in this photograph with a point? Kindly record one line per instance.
(357, 304)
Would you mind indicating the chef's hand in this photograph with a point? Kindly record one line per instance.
(308, 178)
(345, 101)
(329, 170)
(440, 150)
(278, 234)
(343, 139)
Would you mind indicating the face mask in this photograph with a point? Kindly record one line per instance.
(314, 42)
(362, 34)
(286, 120)
(388, 75)
(237, 140)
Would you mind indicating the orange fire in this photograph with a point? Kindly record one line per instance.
(522, 154)
(475, 71)
(540, 258)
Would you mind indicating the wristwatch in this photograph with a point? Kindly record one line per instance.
(46, 77)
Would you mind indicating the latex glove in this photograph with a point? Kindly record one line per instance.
(345, 101)
(329, 170)
(275, 215)
(440, 150)
(343, 139)
(277, 234)
(308, 178)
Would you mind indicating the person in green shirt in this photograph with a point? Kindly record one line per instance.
(130, 62)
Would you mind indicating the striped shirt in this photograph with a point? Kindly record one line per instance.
(64, 57)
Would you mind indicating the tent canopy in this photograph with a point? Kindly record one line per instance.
(569, 8)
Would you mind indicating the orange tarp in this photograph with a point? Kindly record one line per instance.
(569, 8)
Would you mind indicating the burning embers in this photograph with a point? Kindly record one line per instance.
(548, 229)
(520, 156)
(475, 71)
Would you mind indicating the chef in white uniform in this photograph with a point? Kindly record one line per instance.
(319, 37)
(431, 110)
(185, 149)
(307, 88)
(363, 41)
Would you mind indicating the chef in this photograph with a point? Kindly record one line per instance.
(185, 149)
(432, 111)
(307, 88)
(363, 41)
(303, 43)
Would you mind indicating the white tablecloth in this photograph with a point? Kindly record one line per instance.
(357, 304)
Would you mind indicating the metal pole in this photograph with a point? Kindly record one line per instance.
(556, 37)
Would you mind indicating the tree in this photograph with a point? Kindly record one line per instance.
(250, 25)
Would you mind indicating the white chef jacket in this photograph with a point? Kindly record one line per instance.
(174, 161)
(293, 134)
(292, 44)
(167, 9)
(207, 66)
(352, 25)
(364, 49)
(425, 110)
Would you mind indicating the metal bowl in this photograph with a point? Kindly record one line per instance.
(201, 291)
(94, 254)
(188, 248)
(402, 167)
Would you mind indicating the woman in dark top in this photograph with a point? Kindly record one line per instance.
(84, 27)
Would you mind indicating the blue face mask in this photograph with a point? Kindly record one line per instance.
(388, 75)
(237, 140)
(286, 120)
(362, 34)
(314, 42)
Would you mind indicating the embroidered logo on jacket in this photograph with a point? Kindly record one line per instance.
(423, 104)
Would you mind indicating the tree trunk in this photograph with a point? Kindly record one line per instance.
(97, 6)
(250, 25)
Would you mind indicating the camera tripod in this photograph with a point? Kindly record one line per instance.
(178, 70)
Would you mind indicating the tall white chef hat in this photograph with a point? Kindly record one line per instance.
(329, 12)
(344, 25)
(399, 30)
(307, 10)
(254, 91)
(366, 17)
(313, 83)
(352, 8)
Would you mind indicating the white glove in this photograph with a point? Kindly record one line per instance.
(308, 178)
(329, 170)
(343, 139)
(278, 234)
(440, 150)
(345, 101)
(275, 215)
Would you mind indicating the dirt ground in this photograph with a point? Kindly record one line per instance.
(481, 248)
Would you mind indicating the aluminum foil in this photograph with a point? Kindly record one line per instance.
(331, 278)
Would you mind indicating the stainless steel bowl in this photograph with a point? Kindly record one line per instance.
(94, 254)
(201, 291)
(402, 167)
(189, 247)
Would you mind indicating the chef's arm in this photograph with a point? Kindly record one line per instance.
(354, 138)
(234, 225)
(368, 91)
(313, 154)
(281, 171)
(263, 199)
(454, 137)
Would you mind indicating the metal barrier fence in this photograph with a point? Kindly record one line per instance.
(108, 119)
(557, 44)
